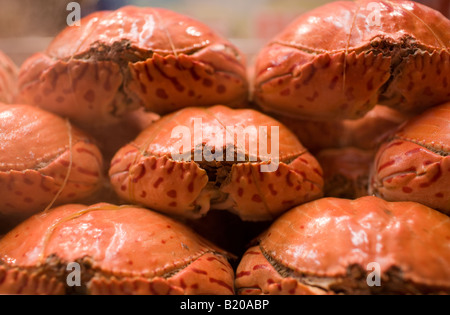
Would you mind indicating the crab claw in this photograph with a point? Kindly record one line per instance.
(213, 75)
(65, 88)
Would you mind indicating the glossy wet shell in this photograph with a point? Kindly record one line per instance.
(415, 165)
(117, 61)
(326, 246)
(340, 60)
(40, 161)
(366, 133)
(8, 79)
(145, 172)
(122, 250)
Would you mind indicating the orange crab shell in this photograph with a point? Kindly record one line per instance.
(328, 246)
(144, 171)
(346, 171)
(340, 60)
(415, 165)
(38, 156)
(366, 133)
(117, 61)
(122, 250)
(8, 79)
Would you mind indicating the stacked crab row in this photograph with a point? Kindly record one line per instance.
(103, 84)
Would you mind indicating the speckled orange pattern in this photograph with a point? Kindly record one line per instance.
(130, 251)
(116, 62)
(334, 63)
(316, 244)
(145, 173)
(415, 164)
(37, 156)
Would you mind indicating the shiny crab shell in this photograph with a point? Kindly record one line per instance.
(333, 246)
(117, 61)
(119, 250)
(146, 171)
(340, 60)
(415, 164)
(44, 159)
(8, 79)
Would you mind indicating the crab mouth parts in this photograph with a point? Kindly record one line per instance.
(399, 53)
(355, 281)
(219, 175)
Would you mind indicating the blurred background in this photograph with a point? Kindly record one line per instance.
(27, 26)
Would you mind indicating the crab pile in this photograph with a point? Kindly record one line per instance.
(135, 160)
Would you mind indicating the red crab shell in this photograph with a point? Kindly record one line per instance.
(342, 59)
(121, 250)
(327, 246)
(117, 61)
(144, 171)
(366, 133)
(40, 161)
(114, 136)
(415, 165)
(8, 79)
(346, 171)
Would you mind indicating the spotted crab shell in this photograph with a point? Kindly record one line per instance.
(333, 246)
(146, 171)
(340, 60)
(415, 164)
(8, 79)
(116, 62)
(43, 158)
(121, 250)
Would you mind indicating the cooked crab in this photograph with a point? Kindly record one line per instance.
(363, 246)
(116, 62)
(106, 249)
(340, 60)
(44, 160)
(220, 165)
